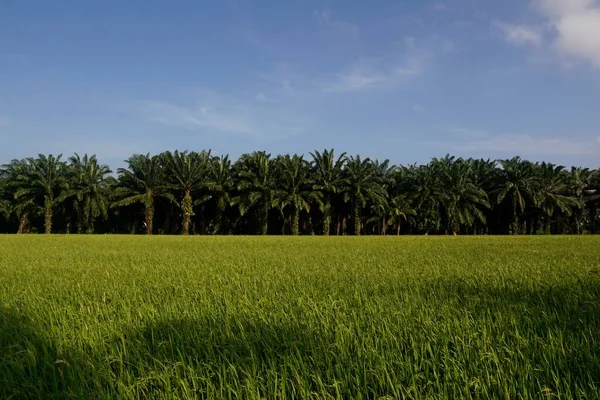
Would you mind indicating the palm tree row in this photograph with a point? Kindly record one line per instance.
(199, 193)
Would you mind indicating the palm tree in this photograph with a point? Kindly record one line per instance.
(186, 173)
(328, 179)
(44, 178)
(424, 189)
(580, 183)
(143, 182)
(92, 188)
(463, 200)
(360, 186)
(295, 187)
(219, 185)
(5, 205)
(400, 209)
(18, 176)
(551, 193)
(257, 186)
(515, 188)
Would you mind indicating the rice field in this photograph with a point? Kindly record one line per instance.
(138, 317)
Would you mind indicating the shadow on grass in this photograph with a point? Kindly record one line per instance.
(29, 367)
(545, 340)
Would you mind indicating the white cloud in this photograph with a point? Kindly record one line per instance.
(516, 143)
(572, 27)
(521, 34)
(324, 18)
(418, 108)
(229, 116)
(577, 27)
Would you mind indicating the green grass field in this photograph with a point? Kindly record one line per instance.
(308, 317)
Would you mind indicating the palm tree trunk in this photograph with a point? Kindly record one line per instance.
(295, 221)
(149, 212)
(80, 217)
(23, 221)
(265, 220)
(356, 215)
(398, 229)
(186, 205)
(149, 218)
(326, 216)
(384, 226)
(344, 225)
(218, 221)
(48, 214)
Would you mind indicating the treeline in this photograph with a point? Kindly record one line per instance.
(199, 193)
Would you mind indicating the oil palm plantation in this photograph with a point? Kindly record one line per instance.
(143, 182)
(446, 195)
(92, 189)
(328, 179)
(361, 185)
(186, 173)
(295, 187)
(257, 186)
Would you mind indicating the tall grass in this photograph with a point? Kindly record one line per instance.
(240, 317)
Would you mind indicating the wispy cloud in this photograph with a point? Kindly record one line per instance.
(281, 77)
(520, 34)
(261, 96)
(419, 108)
(217, 113)
(230, 121)
(406, 62)
(325, 19)
(370, 73)
(463, 139)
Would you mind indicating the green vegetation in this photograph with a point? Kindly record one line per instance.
(307, 317)
(199, 193)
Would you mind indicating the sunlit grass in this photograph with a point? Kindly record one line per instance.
(309, 317)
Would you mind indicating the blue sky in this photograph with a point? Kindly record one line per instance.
(404, 80)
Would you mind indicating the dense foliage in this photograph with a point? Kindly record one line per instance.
(125, 317)
(199, 193)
